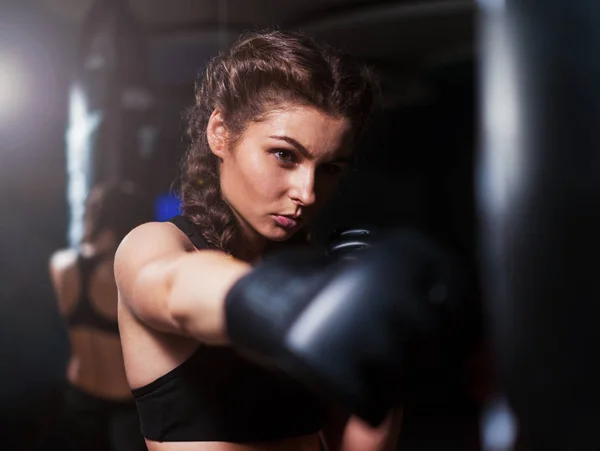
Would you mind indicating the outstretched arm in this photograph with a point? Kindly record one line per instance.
(170, 286)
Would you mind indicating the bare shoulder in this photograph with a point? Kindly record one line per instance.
(148, 243)
(63, 259)
(63, 267)
(64, 276)
(151, 239)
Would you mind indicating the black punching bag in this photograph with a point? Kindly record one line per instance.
(539, 200)
(111, 132)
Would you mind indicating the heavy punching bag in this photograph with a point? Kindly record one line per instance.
(110, 132)
(539, 199)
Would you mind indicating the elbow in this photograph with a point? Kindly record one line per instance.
(149, 299)
(176, 309)
(178, 316)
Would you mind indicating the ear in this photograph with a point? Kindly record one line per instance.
(216, 133)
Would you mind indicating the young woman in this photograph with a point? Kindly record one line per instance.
(99, 412)
(275, 125)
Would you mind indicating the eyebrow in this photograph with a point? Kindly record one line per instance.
(303, 150)
(291, 141)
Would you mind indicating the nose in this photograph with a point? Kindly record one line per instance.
(302, 189)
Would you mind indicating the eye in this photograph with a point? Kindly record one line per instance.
(284, 156)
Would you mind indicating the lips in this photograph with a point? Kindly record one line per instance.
(287, 222)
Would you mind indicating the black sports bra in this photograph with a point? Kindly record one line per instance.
(216, 395)
(85, 314)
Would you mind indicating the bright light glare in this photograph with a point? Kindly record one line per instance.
(82, 126)
(492, 5)
(505, 163)
(498, 426)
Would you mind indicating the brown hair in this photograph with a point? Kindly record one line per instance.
(116, 207)
(260, 71)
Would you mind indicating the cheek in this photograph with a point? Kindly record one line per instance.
(263, 180)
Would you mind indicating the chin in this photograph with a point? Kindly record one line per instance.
(279, 234)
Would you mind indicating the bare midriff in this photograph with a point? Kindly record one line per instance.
(96, 364)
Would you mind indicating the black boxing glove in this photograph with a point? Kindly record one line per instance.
(347, 328)
(350, 242)
(263, 304)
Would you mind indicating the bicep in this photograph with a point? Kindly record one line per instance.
(55, 279)
(142, 273)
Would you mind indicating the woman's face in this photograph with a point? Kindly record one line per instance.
(284, 168)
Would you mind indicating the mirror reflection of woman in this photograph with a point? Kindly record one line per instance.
(98, 409)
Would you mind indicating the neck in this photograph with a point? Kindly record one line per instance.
(249, 245)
